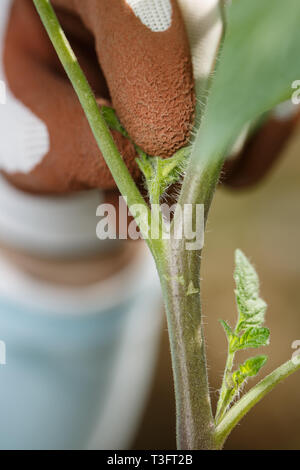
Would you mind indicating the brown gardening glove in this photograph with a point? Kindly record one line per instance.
(145, 75)
(260, 152)
(144, 72)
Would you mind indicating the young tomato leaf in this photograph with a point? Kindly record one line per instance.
(228, 330)
(250, 368)
(252, 337)
(236, 380)
(112, 120)
(159, 173)
(251, 308)
(248, 333)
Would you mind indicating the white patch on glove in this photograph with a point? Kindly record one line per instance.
(24, 138)
(155, 14)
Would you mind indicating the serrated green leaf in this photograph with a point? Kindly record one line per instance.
(234, 381)
(145, 165)
(250, 368)
(162, 173)
(228, 330)
(248, 333)
(251, 313)
(245, 276)
(112, 120)
(159, 173)
(253, 337)
(251, 308)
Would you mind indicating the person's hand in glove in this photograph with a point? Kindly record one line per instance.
(136, 56)
(262, 149)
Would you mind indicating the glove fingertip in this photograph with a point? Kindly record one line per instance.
(149, 73)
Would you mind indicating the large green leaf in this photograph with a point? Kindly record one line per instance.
(258, 64)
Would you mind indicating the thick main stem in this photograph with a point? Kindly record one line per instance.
(179, 271)
(195, 424)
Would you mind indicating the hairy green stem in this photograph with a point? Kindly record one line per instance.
(179, 269)
(195, 424)
(238, 411)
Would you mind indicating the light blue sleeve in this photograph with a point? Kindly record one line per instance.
(78, 381)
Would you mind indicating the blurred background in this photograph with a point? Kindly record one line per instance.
(264, 222)
(88, 361)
